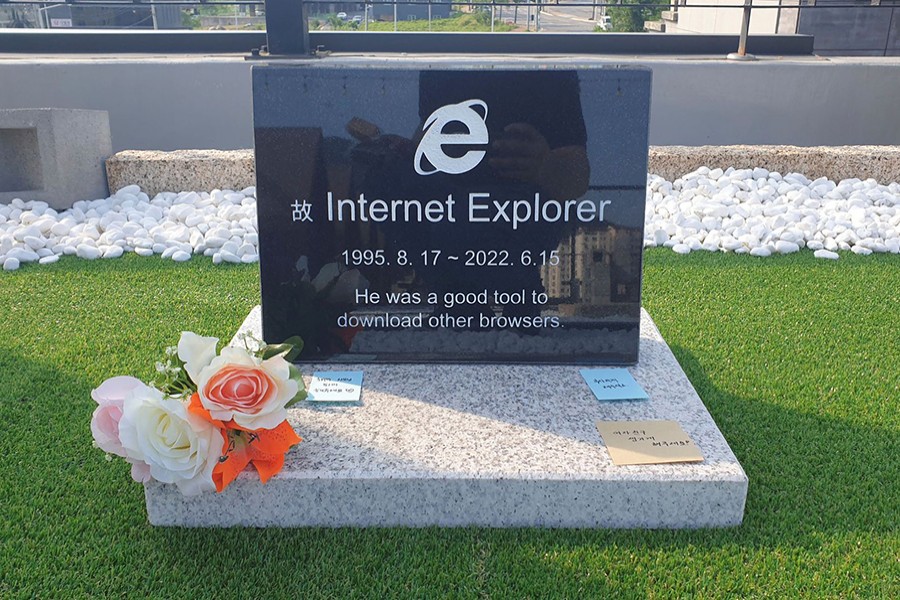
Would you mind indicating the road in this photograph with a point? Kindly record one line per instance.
(569, 18)
(558, 19)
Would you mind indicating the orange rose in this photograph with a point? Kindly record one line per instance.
(239, 386)
(244, 389)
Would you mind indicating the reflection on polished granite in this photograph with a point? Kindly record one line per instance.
(391, 190)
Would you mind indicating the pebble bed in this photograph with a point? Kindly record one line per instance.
(762, 213)
(754, 212)
(220, 224)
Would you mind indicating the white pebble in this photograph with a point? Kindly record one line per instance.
(24, 232)
(180, 256)
(229, 257)
(35, 242)
(760, 251)
(128, 190)
(826, 254)
(783, 247)
(113, 252)
(87, 251)
(23, 255)
(215, 241)
(11, 264)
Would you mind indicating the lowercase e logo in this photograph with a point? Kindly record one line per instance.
(433, 138)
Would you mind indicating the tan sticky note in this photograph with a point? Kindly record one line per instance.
(647, 442)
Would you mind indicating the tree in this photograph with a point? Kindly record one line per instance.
(632, 19)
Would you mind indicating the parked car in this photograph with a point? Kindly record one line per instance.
(357, 18)
(342, 16)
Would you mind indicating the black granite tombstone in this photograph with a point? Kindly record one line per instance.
(423, 214)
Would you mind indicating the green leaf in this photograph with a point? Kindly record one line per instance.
(289, 349)
(296, 343)
(271, 350)
(297, 376)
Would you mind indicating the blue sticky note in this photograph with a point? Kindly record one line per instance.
(613, 384)
(335, 386)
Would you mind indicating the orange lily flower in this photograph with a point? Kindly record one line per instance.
(264, 448)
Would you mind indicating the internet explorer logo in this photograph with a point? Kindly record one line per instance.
(434, 138)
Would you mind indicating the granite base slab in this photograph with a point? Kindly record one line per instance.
(492, 446)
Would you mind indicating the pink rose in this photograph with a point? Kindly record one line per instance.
(140, 471)
(110, 397)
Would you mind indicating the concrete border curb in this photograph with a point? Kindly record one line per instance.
(881, 163)
(204, 170)
(181, 170)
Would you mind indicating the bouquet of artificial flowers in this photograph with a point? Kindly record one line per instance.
(207, 417)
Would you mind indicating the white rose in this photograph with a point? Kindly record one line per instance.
(196, 351)
(178, 447)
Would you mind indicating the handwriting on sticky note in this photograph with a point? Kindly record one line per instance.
(335, 386)
(613, 384)
(648, 442)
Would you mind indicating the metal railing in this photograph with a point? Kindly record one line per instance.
(287, 25)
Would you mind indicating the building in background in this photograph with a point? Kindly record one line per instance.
(19, 17)
(864, 30)
(82, 16)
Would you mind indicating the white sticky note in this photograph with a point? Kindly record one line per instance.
(335, 386)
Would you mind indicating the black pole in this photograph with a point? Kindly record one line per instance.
(287, 28)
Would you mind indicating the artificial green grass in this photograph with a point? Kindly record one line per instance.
(797, 359)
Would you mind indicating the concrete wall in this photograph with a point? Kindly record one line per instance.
(167, 104)
(162, 104)
(724, 20)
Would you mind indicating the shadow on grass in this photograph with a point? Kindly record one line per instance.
(808, 473)
(77, 523)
